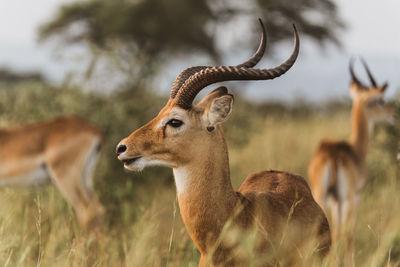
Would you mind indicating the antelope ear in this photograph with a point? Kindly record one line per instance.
(383, 87)
(220, 91)
(218, 111)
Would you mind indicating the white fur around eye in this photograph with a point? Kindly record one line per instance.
(171, 131)
(175, 113)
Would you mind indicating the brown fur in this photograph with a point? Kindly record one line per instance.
(267, 202)
(348, 157)
(61, 146)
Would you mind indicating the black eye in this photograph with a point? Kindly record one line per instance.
(376, 102)
(175, 123)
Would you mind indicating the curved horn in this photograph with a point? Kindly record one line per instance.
(182, 77)
(251, 62)
(371, 78)
(195, 83)
(353, 76)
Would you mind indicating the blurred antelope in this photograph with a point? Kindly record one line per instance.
(189, 138)
(338, 171)
(62, 150)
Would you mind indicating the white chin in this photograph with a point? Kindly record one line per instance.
(142, 163)
(133, 167)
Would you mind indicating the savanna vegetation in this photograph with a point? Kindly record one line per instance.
(142, 223)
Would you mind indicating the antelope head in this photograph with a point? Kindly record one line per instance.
(371, 97)
(183, 132)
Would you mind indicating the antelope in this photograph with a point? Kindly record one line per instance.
(189, 139)
(338, 171)
(64, 151)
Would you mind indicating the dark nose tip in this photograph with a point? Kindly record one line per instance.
(121, 148)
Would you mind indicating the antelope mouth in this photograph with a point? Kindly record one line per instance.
(130, 160)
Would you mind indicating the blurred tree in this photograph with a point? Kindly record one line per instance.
(8, 76)
(151, 26)
(316, 18)
(146, 31)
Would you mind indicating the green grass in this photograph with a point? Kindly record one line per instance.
(38, 228)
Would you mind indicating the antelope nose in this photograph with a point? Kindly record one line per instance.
(121, 148)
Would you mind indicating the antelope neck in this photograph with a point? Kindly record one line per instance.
(359, 138)
(205, 194)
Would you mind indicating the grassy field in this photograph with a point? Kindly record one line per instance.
(143, 225)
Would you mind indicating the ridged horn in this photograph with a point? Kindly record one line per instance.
(371, 78)
(251, 62)
(196, 82)
(353, 75)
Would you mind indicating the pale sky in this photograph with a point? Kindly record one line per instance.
(373, 32)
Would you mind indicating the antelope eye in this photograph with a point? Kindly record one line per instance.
(175, 123)
(376, 102)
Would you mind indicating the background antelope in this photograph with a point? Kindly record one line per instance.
(62, 150)
(338, 171)
(189, 138)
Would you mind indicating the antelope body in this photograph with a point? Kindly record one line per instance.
(189, 138)
(62, 150)
(338, 171)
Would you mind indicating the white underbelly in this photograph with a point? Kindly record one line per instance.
(34, 177)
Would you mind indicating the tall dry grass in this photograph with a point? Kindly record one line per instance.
(143, 225)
